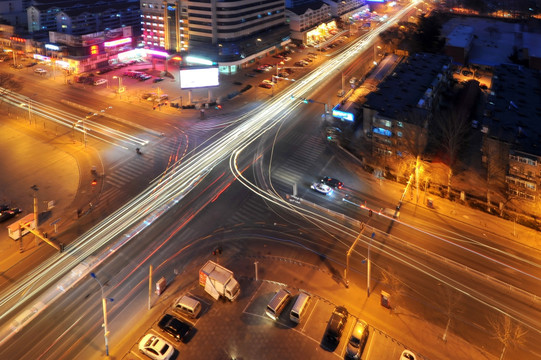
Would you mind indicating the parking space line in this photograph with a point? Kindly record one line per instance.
(348, 333)
(252, 298)
(309, 316)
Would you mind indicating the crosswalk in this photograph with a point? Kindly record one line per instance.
(137, 167)
(300, 164)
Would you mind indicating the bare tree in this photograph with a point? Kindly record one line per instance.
(496, 158)
(394, 285)
(8, 84)
(505, 331)
(413, 141)
(454, 127)
(450, 301)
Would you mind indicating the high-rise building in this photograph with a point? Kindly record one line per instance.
(230, 32)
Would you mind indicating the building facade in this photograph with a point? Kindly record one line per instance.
(512, 141)
(397, 114)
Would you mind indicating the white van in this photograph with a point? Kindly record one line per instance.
(278, 303)
(300, 306)
(188, 306)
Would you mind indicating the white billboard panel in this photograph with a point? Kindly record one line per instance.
(197, 78)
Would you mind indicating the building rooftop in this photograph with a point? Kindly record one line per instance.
(405, 90)
(513, 110)
(461, 36)
(314, 5)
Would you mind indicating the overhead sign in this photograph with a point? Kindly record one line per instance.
(345, 116)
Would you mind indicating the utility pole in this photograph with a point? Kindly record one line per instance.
(35, 188)
(149, 286)
(346, 271)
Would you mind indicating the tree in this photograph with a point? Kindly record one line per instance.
(8, 84)
(505, 331)
(394, 285)
(450, 301)
(454, 127)
(427, 37)
(413, 141)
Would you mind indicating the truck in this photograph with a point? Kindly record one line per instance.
(218, 281)
(22, 227)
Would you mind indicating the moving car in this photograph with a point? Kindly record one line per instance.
(265, 85)
(336, 324)
(155, 347)
(5, 215)
(158, 80)
(322, 188)
(335, 183)
(40, 71)
(407, 355)
(174, 326)
(99, 82)
(357, 341)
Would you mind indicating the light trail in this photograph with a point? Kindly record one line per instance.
(75, 123)
(47, 282)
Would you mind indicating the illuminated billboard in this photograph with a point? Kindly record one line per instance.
(198, 78)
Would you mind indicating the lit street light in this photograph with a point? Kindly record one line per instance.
(104, 305)
(120, 87)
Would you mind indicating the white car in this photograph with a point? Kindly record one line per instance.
(286, 59)
(99, 81)
(156, 348)
(268, 82)
(321, 188)
(407, 355)
(40, 71)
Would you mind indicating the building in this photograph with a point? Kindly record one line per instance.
(396, 115)
(310, 23)
(231, 33)
(459, 43)
(512, 141)
(13, 12)
(344, 9)
(83, 16)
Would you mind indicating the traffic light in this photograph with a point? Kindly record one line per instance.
(218, 107)
(94, 182)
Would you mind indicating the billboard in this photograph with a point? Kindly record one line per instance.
(197, 78)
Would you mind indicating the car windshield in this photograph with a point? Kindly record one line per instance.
(164, 349)
(354, 342)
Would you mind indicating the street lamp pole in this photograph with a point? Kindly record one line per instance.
(104, 306)
(342, 72)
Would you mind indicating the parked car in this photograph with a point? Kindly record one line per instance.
(336, 324)
(156, 348)
(40, 71)
(335, 183)
(144, 77)
(466, 72)
(159, 79)
(407, 355)
(265, 85)
(286, 59)
(174, 326)
(99, 82)
(5, 215)
(321, 188)
(357, 341)
(307, 59)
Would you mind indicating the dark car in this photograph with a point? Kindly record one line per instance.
(266, 86)
(158, 80)
(335, 183)
(5, 215)
(174, 327)
(336, 324)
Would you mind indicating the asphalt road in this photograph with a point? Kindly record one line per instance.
(128, 270)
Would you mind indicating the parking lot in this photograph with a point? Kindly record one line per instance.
(242, 330)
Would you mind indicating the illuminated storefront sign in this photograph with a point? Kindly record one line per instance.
(94, 50)
(118, 42)
(342, 115)
(200, 61)
(52, 47)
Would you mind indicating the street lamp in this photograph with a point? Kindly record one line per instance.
(342, 72)
(376, 48)
(120, 87)
(104, 305)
